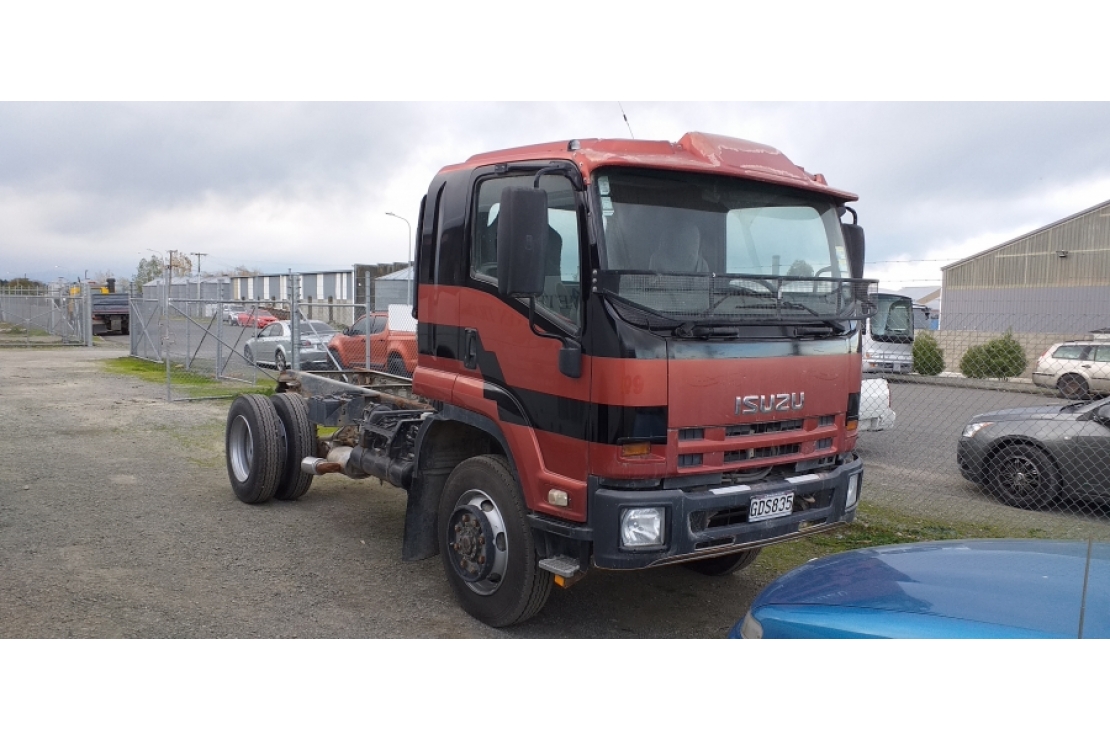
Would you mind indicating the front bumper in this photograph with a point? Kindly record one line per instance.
(971, 453)
(701, 524)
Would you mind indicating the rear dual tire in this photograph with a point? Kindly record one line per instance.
(265, 441)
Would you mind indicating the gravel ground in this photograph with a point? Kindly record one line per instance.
(117, 521)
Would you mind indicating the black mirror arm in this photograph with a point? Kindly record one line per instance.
(570, 356)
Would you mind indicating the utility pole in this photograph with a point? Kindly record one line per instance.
(198, 255)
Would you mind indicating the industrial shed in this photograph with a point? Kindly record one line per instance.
(1048, 286)
(1055, 280)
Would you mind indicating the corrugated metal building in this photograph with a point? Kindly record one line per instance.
(334, 286)
(190, 289)
(1055, 280)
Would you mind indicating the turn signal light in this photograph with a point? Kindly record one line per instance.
(636, 449)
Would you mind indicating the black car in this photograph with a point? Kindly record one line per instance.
(1030, 457)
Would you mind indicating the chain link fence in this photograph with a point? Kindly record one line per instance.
(996, 426)
(250, 342)
(41, 319)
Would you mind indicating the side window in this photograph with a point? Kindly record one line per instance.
(378, 326)
(1102, 353)
(1070, 352)
(359, 327)
(562, 293)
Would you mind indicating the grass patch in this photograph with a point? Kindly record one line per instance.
(189, 383)
(21, 330)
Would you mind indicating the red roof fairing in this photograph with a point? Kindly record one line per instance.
(694, 152)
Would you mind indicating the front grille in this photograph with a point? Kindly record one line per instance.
(761, 453)
(689, 461)
(767, 427)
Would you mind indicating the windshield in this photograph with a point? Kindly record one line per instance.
(893, 319)
(717, 250)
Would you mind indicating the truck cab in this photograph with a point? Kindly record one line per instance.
(663, 346)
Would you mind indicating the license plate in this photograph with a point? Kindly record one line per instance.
(770, 506)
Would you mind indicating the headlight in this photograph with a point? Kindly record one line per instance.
(971, 429)
(750, 628)
(642, 528)
(853, 492)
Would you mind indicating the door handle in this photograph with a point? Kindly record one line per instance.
(470, 349)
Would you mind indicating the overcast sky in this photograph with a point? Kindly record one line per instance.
(97, 186)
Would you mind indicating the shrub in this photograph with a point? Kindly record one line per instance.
(999, 358)
(928, 357)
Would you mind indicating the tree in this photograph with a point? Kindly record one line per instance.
(999, 358)
(928, 357)
(148, 270)
(151, 268)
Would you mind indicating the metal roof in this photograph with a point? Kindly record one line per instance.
(1042, 229)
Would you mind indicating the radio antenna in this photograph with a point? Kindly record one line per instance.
(626, 123)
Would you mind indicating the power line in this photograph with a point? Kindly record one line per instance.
(909, 262)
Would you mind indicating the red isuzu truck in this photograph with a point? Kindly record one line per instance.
(631, 354)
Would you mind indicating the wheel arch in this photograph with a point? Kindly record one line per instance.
(451, 436)
(1006, 443)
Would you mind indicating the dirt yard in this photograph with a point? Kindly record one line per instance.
(117, 521)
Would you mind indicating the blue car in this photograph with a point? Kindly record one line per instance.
(950, 589)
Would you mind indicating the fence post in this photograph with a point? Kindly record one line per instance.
(88, 314)
(366, 318)
(219, 339)
(294, 323)
(167, 275)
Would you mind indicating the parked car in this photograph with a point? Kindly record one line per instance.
(953, 589)
(1077, 369)
(258, 317)
(273, 345)
(1029, 457)
(392, 348)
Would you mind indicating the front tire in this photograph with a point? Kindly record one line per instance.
(486, 544)
(722, 565)
(300, 442)
(248, 355)
(1023, 476)
(255, 449)
(280, 363)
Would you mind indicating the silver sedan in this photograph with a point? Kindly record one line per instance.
(273, 346)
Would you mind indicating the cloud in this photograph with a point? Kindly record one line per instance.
(280, 185)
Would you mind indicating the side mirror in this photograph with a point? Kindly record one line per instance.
(853, 243)
(570, 360)
(1103, 413)
(521, 241)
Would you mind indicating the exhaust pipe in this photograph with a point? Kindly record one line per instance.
(320, 466)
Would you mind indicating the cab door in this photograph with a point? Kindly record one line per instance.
(512, 364)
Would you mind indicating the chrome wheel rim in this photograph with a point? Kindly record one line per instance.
(477, 542)
(240, 444)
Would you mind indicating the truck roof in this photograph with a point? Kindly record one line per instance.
(694, 152)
